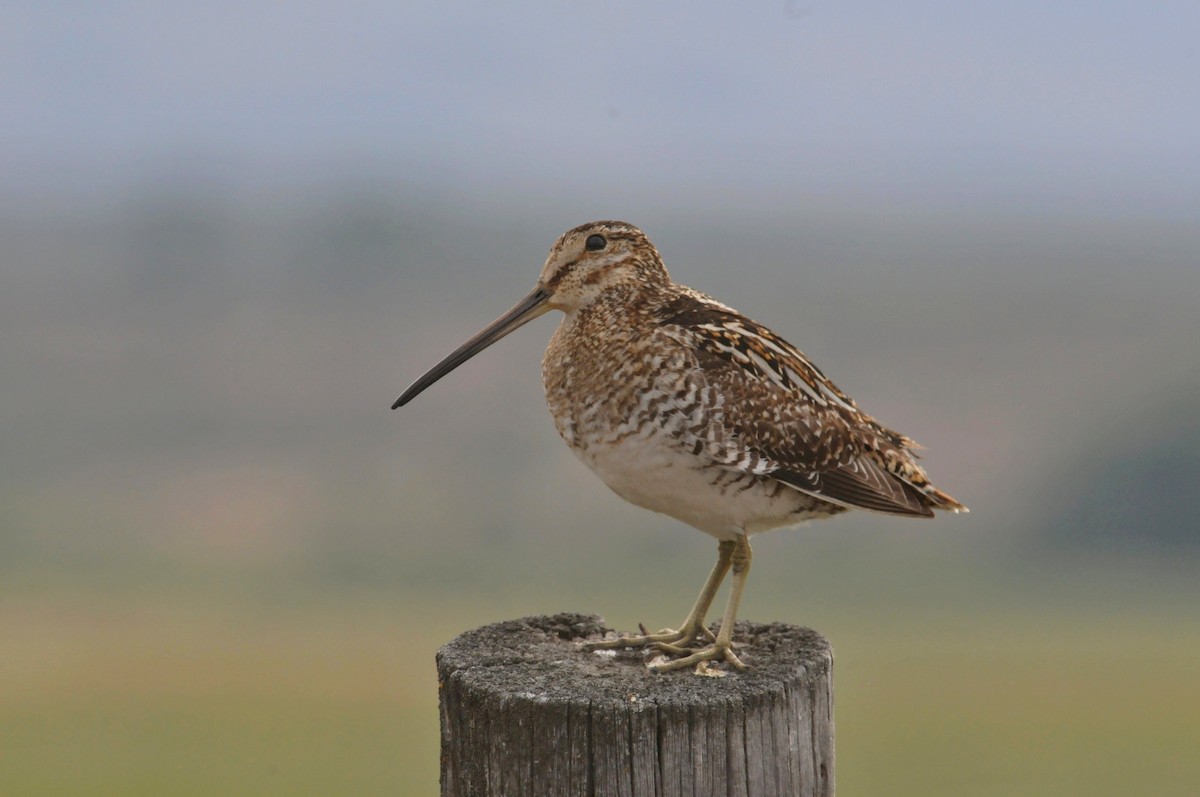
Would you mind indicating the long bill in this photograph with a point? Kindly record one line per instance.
(522, 312)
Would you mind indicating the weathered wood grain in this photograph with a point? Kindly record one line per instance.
(526, 713)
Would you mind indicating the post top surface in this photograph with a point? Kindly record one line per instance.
(541, 658)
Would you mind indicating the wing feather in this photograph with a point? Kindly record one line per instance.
(781, 417)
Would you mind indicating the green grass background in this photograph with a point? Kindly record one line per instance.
(949, 680)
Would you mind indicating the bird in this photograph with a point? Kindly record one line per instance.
(686, 407)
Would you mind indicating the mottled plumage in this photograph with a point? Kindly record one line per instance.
(663, 365)
(684, 406)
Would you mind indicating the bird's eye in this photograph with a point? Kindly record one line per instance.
(595, 243)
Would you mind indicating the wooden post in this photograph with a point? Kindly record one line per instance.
(526, 712)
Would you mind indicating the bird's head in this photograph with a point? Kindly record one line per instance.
(585, 264)
(593, 259)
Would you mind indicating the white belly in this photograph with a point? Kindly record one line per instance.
(720, 502)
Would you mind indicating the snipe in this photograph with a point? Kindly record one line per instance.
(684, 406)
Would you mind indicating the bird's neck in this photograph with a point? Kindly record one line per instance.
(629, 310)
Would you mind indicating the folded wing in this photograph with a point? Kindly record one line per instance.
(781, 417)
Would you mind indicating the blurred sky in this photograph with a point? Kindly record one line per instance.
(1067, 106)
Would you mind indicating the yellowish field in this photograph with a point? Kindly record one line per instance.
(163, 692)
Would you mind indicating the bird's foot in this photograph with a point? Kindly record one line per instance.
(669, 640)
(678, 650)
(720, 650)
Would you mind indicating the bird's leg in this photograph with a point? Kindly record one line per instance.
(721, 648)
(693, 624)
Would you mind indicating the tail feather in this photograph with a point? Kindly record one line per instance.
(941, 500)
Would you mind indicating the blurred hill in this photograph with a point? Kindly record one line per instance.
(203, 376)
(1133, 494)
